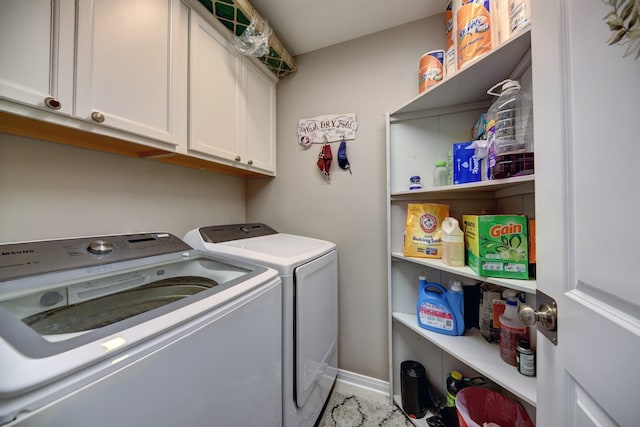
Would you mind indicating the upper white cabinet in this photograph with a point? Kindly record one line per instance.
(232, 102)
(37, 48)
(215, 102)
(259, 117)
(108, 63)
(128, 71)
(146, 78)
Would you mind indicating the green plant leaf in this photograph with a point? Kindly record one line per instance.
(615, 22)
(634, 16)
(633, 34)
(634, 44)
(626, 10)
(616, 36)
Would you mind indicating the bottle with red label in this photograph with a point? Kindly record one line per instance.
(512, 330)
(440, 310)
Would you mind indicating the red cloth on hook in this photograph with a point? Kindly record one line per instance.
(324, 159)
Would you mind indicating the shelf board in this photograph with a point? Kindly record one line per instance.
(474, 351)
(470, 84)
(528, 286)
(516, 185)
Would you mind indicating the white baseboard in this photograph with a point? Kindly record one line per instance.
(363, 386)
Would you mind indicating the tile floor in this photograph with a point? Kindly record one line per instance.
(354, 407)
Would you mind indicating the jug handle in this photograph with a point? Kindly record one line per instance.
(438, 286)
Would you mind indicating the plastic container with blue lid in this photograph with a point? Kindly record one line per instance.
(440, 310)
(414, 183)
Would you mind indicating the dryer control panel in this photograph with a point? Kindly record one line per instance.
(226, 233)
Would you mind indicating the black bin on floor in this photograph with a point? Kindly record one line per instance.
(414, 389)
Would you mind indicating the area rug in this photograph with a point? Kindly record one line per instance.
(348, 410)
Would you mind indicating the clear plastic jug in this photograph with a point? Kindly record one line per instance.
(510, 123)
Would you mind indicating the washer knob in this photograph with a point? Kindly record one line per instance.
(100, 247)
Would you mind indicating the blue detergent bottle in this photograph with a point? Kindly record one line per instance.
(440, 310)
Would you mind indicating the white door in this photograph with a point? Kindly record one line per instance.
(36, 51)
(128, 67)
(214, 87)
(587, 125)
(260, 118)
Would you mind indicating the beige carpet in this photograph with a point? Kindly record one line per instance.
(348, 410)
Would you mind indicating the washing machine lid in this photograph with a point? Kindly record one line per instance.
(70, 312)
(280, 251)
(62, 298)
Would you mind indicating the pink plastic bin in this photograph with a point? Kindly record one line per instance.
(477, 405)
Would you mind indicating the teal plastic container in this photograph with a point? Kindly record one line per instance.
(440, 310)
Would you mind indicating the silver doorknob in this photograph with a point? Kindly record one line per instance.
(238, 158)
(546, 315)
(250, 162)
(97, 117)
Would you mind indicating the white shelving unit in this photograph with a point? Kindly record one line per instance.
(420, 133)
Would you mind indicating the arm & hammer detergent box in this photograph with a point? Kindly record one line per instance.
(423, 229)
(497, 245)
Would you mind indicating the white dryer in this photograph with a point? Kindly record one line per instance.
(309, 271)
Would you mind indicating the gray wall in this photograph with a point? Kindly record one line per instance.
(49, 190)
(368, 76)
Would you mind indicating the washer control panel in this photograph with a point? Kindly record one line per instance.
(31, 258)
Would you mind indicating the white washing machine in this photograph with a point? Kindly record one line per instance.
(309, 271)
(137, 330)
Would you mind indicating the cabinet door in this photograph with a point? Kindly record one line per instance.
(36, 47)
(260, 118)
(127, 69)
(214, 88)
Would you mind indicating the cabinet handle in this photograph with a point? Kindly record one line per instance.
(250, 162)
(97, 117)
(238, 158)
(52, 103)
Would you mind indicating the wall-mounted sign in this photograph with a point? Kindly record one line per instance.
(330, 128)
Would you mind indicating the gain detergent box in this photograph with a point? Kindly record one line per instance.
(497, 245)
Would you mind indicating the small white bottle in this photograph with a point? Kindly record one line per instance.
(452, 243)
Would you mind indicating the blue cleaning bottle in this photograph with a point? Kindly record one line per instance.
(440, 310)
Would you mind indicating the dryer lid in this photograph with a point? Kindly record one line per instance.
(281, 251)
